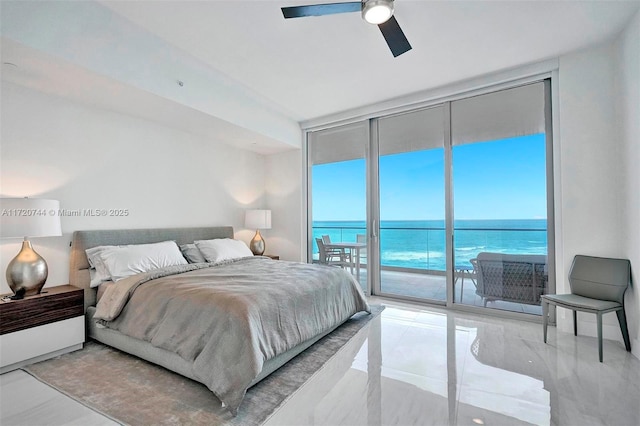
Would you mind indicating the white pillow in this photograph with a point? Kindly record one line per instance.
(222, 249)
(192, 254)
(124, 261)
(99, 272)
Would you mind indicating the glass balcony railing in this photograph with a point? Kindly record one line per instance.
(423, 248)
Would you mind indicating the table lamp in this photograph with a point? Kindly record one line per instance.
(25, 218)
(257, 219)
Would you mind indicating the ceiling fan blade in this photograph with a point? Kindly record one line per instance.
(321, 9)
(394, 36)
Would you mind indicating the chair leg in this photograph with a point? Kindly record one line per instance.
(575, 323)
(545, 319)
(622, 319)
(461, 288)
(599, 321)
(346, 257)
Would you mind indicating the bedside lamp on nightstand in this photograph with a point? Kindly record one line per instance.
(25, 218)
(257, 219)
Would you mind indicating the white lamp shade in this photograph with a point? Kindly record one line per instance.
(29, 217)
(257, 219)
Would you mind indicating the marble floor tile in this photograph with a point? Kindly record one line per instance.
(429, 366)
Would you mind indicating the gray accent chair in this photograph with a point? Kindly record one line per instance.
(597, 285)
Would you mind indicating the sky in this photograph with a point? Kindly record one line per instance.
(504, 179)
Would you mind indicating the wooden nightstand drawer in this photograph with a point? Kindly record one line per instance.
(40, 327)
(57, 304)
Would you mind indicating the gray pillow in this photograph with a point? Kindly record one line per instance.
(99, 272)
(192, 253)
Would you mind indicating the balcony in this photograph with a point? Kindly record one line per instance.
(413, 259)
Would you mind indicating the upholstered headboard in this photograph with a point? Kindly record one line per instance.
(79, 267)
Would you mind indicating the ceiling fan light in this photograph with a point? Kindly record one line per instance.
(377, 11)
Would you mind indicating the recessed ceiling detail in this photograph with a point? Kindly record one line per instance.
(263, 74)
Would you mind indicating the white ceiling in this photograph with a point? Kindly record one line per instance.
(306, 68)
(321, 65)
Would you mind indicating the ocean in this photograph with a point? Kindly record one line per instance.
(420, 244)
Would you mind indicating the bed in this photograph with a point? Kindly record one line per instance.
(226, 325)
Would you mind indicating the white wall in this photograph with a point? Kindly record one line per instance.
(590, 174)
(628, 125)
(599, 110)
(284, 196)
(91, 158)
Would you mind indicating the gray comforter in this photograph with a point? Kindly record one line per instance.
(228, 319)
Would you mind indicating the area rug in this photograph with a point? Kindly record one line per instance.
(132, 391)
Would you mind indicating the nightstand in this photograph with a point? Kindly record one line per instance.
(42, 326)
(272, 256)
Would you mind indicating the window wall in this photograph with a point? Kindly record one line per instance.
(453, 202)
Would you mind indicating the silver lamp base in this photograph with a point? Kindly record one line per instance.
(27, 272)
(257, 244)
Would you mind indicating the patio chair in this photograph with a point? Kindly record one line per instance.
(328, 259)
(335, 253)
(597, 285)
(518, 278)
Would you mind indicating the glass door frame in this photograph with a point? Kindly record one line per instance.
(448, 202)
(373, 212)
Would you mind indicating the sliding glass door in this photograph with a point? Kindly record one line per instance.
(500, 199)
(337, 182)
(411, 170)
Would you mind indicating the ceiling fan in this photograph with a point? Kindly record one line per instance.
(378, 12)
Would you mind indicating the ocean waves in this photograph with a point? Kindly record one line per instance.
(422, 244)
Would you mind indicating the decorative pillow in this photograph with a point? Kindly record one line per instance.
(124, 261)
(98, 271)
(192, 254)
(222, 249)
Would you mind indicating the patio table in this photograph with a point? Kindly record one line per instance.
(354, 248)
